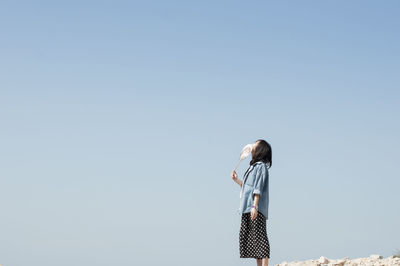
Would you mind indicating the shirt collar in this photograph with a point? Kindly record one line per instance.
(251, 168)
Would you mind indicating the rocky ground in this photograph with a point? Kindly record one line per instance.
(373, 260)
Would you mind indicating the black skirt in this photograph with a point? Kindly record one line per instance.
(253, 239)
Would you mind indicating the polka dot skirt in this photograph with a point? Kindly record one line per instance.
(253, 239)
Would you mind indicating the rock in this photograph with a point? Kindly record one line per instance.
(323, 260)
(338, 263)
(376, 257)
(311, 263)
(372, 260)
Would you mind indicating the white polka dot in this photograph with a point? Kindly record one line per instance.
(253, 238)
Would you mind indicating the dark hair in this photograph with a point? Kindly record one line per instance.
(262, 152)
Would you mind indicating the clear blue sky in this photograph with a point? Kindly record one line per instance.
(121, 122)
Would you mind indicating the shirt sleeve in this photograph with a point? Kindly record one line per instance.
(260, 179)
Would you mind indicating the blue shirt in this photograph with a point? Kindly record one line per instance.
(255, 181)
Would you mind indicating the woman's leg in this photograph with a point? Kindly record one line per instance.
(262, 262)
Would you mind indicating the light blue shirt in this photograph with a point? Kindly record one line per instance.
(255, 181)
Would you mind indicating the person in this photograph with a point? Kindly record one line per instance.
(254, 202)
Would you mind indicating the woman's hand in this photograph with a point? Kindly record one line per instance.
(234, 175)
(253, 213)
(235, 178)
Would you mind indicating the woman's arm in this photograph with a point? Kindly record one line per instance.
(260, 180)
(254, 211)
(237, 180)
(256, 198)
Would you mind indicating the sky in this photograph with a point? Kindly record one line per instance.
(121, 122)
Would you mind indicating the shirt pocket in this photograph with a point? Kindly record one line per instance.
(250, 180)
(249, 184)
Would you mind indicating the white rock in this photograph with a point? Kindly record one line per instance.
(336, 262)
(323, 260)
(311, 263)
(376, 257)
(340, 262)
(372, 260)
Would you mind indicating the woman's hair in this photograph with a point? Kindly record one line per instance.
(262, 152)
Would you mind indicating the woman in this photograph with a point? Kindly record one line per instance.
(254, 199)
